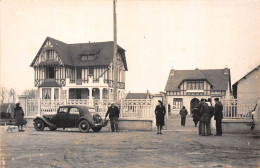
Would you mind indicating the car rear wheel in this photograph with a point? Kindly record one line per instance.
(52, 128)
(96, 129)
(39, 125)
(84, 126)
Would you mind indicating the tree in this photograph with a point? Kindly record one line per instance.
(31, 93)
(3, 94)
(12, 94)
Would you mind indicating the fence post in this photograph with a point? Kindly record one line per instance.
(23, 102)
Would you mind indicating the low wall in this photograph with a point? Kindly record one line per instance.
(235, 126)
(136, 124)
(129, 124)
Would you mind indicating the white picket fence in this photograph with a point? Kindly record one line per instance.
(234, 108)
(134, 108)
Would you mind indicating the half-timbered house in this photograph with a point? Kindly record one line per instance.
(78, 71)
(187, 87)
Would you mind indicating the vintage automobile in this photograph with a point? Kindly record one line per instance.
(71, 116)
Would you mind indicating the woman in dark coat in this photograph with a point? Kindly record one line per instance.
(195, 116)
(19, 117)
(160, 113)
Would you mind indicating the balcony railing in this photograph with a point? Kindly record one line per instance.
(38, 82)
(120, 85)
(62, 82)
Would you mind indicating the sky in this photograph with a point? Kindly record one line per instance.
(158, 35)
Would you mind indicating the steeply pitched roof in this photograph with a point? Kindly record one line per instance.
(255, 69)
(71, 53)
(137, 96)
(216, 77)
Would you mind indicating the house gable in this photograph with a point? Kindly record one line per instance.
(47, 55)
(248, 83)
(217, 78)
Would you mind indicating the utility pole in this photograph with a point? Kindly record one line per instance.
(115, 53)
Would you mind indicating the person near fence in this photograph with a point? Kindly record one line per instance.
(211, 110)
(183, 112)
(205, 119)
(195, 116)
(159, 114)
(113, 112)
(218, 116)
(200, 123)
(19, 117)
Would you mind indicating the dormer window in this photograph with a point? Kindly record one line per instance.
(195, 85)
(88, 57)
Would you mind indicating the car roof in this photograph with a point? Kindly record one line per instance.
(78, 106)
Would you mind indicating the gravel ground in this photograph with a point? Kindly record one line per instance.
(177, 147)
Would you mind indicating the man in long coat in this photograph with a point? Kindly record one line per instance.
(195, 116)
(205, 119)
(183, 112)
(218, 116)
(200, 123)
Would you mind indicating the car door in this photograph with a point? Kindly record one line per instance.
(61, 118)
(73, 116)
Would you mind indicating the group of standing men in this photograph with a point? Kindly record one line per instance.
(203, 114)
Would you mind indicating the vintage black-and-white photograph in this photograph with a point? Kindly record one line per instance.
(129, 83)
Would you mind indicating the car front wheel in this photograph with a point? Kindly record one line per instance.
(39, 125)
(84, 126)
(96, 129)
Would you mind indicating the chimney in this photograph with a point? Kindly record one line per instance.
(226, 70)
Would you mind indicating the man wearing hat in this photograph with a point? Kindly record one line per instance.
(218, 116)
(113, 112)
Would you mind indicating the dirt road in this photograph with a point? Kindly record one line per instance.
(177, 147)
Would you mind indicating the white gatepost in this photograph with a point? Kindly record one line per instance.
(90, 97)
(100, 93)
(23, 102)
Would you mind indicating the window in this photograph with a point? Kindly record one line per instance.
(63, 110)
(177, 103)
(74, 111)
(49, 55)
(79, 73)
(91, 71)
(88, 57)
(195, 85)
(46, 93)
(56, 93)
(50, 73)
(84, 58)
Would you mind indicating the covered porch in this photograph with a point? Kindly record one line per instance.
(88, 93)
